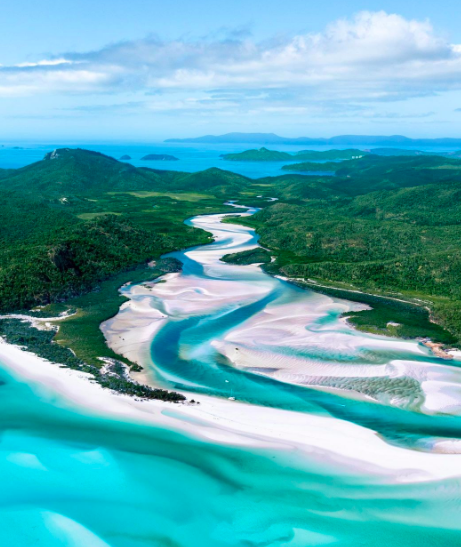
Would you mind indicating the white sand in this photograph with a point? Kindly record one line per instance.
(322, 439)
(264, 343)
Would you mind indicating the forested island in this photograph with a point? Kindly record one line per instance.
(325, 156)
(252, 256)
(159, 157)
(263, 154)
(78, 225)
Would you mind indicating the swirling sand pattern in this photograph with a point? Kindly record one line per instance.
(293, 466)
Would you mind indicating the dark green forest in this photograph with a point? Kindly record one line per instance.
(386, 225)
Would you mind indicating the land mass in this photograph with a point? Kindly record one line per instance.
(387, 226)
(252, 256)
(306, 166)
(159, 157)
(78, 225)
(272, 138)
(263, 154)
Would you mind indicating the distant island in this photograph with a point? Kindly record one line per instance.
(263, 154)
(403, 152)
(325, 160)
(363, 140)
(125, 157)
(159, 157)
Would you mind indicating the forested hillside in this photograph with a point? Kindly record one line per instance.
(385, 225)
(78, 217)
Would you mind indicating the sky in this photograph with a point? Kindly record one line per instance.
(145, 70)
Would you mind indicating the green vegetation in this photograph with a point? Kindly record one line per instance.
(252, 256)
(306, 166)
(348, 154)
(390, 226)
(79, 224)
(262, 154)
(159, 157)
(113, 376)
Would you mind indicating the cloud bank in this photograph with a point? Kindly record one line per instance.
(373, 57)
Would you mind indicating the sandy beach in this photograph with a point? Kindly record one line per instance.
(324, 439)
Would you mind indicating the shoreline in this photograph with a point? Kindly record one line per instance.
(323, 439)
(419, 305)
(425, 388)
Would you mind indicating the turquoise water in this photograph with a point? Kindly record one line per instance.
(192, 157)
(183, 354)
(71, 479)
(75, 478)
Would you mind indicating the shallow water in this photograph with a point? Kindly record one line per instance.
(78, 479)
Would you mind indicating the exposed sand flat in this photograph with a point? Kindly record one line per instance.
(301, 340)
(295, 339)
(329, 441)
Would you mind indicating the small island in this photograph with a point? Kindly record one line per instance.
(252, 256)
(262, 154)
(159, 157)
(125, 157)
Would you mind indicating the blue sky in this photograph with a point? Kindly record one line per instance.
(146, 70)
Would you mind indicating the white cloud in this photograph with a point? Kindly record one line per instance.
(46, 62)
(371, 57)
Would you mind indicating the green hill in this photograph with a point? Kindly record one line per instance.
(348, 154)
(65, 225)
(307, 166)
(217, 181)
(262, 154)
(386, 225)
(72, 171)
